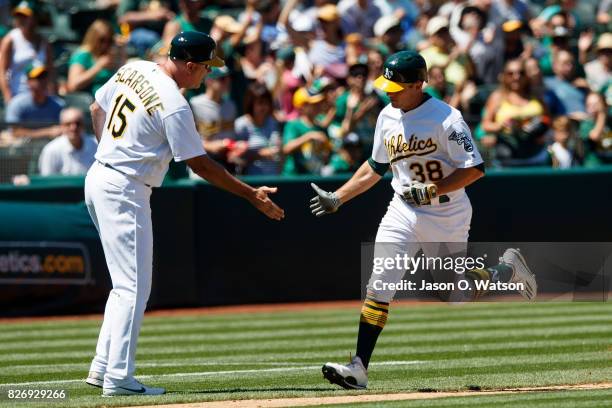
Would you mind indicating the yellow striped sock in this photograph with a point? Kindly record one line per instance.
(374, 313)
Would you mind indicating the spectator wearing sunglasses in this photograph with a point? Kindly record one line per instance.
(72, 153)
(516, 120)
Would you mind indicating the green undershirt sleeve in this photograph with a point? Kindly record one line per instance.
(379, 168)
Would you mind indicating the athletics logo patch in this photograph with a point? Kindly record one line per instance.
(462, 139)
(388, 74)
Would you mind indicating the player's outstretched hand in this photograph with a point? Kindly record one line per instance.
(263, 203)
(324, 202)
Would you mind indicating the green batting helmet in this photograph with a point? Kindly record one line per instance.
(401, 68)
(195, 46)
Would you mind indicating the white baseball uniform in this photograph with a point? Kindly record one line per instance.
(425, 144)
(148, 122)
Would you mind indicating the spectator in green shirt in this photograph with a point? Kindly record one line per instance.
(357, 109)
(95, 61)
(595, 132)
(305, 145)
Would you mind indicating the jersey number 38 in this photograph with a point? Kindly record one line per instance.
(431, 172)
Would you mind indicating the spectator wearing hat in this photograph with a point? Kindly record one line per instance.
(356, 110)
(95, 61)
(72, 153)
(305, 145)
(214, 113)
(20, 47)
(515, 43)
(555, 35)
(229, 33)
(35, 107)
(442, 52)
(261, 131)
(144, 21)
(188, 19)
(388, 32)
(563, 84)
(565, 7)
(598, 70)
(359, 16)
(332, 91)
(329, 48)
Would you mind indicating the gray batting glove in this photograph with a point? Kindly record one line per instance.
(324, 202)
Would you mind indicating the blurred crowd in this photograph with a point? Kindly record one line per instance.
(531, 77)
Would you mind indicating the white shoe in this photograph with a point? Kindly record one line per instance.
(521, 273)
(96, 379)
(352, 376)
(133, 387)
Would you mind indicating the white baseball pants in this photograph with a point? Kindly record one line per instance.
(119, 207)
(438, 230)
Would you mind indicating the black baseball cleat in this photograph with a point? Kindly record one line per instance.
(352, 376)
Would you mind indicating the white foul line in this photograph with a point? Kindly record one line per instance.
(209, 373)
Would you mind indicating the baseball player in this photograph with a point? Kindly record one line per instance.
(142, 121)
(433, 157)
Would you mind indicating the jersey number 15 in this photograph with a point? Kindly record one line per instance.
(118, 121)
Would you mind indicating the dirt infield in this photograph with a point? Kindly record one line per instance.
(348, 399)
(218, 310)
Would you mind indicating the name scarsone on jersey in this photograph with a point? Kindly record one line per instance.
(142, 87)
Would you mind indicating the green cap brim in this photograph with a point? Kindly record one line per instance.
(385, 85)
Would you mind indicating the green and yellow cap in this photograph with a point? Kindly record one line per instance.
(25, 8)
(401, 69)
(35, 70)
(195, 46)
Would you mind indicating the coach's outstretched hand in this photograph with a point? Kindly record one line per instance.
(263, 203)
(324, 202)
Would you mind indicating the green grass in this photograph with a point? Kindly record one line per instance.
(556, 399)
(273, 355)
